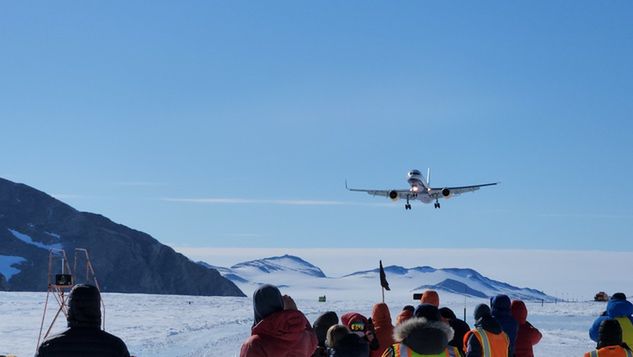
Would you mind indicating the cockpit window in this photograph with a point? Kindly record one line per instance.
(415, 172)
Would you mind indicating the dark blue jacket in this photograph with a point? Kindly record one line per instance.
(502, 312)
(615, 308)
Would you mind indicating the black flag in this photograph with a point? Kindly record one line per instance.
(383, 278)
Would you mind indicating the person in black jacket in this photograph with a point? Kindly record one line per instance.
(84, 336)
(350, 345)
(459, 326)
(321, 326)
(498, 341)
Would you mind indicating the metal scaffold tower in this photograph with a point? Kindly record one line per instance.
(61, 280)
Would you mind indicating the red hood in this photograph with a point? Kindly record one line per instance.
(519, 311)
(283, 333)
(286, 326)
(380, 315)
(350, 317)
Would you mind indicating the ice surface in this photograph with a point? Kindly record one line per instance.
(168, 325)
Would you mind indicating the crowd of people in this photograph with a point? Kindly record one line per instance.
(280, 329)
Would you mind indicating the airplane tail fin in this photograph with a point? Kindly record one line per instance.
(428, 176)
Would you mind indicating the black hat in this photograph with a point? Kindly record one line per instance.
(447, 313)
(351, 345)
(609, 333)
(482, 310)
(428, 311)
(266, 300)
(618, 296)
(322, 324)
(84, 306)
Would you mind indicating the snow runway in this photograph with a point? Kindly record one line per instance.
(169, 325)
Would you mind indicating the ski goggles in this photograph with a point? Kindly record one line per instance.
(357, 326)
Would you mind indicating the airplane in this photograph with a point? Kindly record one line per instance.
(421, 190)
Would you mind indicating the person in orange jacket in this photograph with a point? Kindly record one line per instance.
(384, 328)
(610, 341)
(430, 297)
(527, 335)
(460, 327)
(405, 314)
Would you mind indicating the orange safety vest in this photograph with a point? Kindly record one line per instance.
(610, 351)
(492, 345)
(401, 350)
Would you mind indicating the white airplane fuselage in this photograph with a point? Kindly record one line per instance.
(419, 187)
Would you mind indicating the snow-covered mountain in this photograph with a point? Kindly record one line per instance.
(453, 280)
(304, 278)
(261, 271)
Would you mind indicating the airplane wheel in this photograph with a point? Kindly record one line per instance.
(438, 205)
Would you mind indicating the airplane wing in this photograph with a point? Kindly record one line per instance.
(383, 193)
(440, 192)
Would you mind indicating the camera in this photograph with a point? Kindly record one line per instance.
(63, 279)
(417, 296)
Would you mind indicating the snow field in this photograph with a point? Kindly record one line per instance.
(169, 325)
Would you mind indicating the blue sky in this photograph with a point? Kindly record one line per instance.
(132, 109)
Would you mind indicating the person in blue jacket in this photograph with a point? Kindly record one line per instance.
(502, 312)
(620, 309)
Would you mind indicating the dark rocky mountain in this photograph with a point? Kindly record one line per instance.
(125, 260)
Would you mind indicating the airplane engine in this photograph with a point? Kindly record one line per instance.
(393, 194)
(446, 193)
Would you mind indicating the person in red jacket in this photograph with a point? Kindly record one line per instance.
(363, 327)
(528, 335)
(384, 328)
(279, 329)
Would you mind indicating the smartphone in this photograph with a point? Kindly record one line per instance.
(417, 296)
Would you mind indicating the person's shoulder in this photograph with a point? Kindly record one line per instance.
(53, 344)
(112, 339)
(55, 339)
(460, 324)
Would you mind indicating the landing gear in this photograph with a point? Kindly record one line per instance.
(437, 204)
(407, 206)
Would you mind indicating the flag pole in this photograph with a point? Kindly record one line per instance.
(383, 281)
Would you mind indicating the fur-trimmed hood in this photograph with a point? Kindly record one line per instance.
(423, 336)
